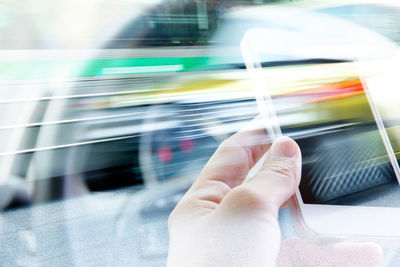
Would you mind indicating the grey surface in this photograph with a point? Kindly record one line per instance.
(121, 228)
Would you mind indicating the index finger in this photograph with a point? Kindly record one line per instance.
(236, 155)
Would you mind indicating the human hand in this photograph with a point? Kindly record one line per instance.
(227, 220)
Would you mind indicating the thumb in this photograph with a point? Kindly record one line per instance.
(275, 182)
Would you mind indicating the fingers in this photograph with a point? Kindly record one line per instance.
(226, 169)
(236, 156)
(297, 252)
(274, 184)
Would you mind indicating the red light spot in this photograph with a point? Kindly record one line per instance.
(186, 145)
(165, 154)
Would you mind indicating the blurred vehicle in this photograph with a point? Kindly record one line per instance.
(159, 110)
(150, 101)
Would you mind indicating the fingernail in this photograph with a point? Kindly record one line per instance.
(284, 147)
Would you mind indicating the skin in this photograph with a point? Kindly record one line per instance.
(227, 220)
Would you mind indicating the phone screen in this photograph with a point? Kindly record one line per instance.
(344, 157)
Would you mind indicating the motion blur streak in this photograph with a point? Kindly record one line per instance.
(38, 149)
(111, 109)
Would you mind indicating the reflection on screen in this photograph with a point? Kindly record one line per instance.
(348, 166)
(344, 159)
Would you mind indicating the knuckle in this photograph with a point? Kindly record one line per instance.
(220, 187)
(229, 145)
(231, 154)
(282, 168)
(240, 155)
(226, 144)
(246, 197)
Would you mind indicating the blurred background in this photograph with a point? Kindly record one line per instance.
(109, 110)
